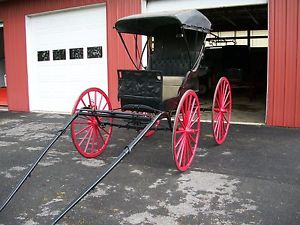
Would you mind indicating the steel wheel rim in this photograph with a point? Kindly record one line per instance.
(221, 110)
(186, 130)
(89, 138)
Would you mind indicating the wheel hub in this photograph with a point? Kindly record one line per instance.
(189, 130)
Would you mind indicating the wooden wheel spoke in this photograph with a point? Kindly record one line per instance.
(83, 102)
(216, 119)
(185, 120)
(100, 135)
(85, 136)
(82, 122)
(88, 141)
(182, 117)
(90, 101)
(192, 138)
(190, 106)
(181, 149)
(82, 130)
(183, 161)
(180, 131)
(196, 120)
(192, 113)
(179, 140)
(217, 105)
(217, 129)
(104, 106)
(181, 123)
(225, 89)
(97, 139)
(189, 148)
(226, 119)
(186, 104)
(221, 127)
(226, 98)
(220, 97)
(227, 104)
(103, 129)
(216, 110)
(95, 99)
(224, 127)
(100, 102)
(178, 150)
(93, 141)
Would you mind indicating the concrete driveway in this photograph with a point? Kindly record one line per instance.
(253, 178)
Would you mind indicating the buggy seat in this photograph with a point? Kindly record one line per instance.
(170, 56)
(168, 64)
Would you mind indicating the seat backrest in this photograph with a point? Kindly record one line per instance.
(170, 57)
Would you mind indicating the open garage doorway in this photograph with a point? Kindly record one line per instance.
(3, 85)
(238, 49)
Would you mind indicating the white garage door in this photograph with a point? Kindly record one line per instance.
(66, 54)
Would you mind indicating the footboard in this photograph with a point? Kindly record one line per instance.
(140, 87)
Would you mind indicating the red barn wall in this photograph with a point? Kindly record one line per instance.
(13, 13)
(283, 100)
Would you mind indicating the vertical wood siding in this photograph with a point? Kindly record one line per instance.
(283, 101)
(13, 15)
(117, 56)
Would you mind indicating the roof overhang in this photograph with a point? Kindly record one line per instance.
(252, 17)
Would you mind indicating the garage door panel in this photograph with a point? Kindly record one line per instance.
(54, 85)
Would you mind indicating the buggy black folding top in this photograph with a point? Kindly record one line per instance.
(167, 87)
(153, 23)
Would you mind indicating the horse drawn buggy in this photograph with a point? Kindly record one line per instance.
(165, 89)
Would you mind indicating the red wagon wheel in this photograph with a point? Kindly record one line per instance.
(221, 110)
(186, 130)
(89, 137)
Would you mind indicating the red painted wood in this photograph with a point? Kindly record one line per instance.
(13, 14)
(280, 54)
(283, 105)
(291, 63)
(117, 57)
(271, 61)
(3, 96)
(297, 81)
(16, 65)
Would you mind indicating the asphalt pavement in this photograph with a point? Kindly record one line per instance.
(253, 178)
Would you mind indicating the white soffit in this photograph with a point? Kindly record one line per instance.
(166, 5)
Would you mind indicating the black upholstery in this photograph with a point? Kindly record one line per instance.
(171, 55)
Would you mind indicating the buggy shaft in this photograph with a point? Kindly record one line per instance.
(61, 132)
(124, 153)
